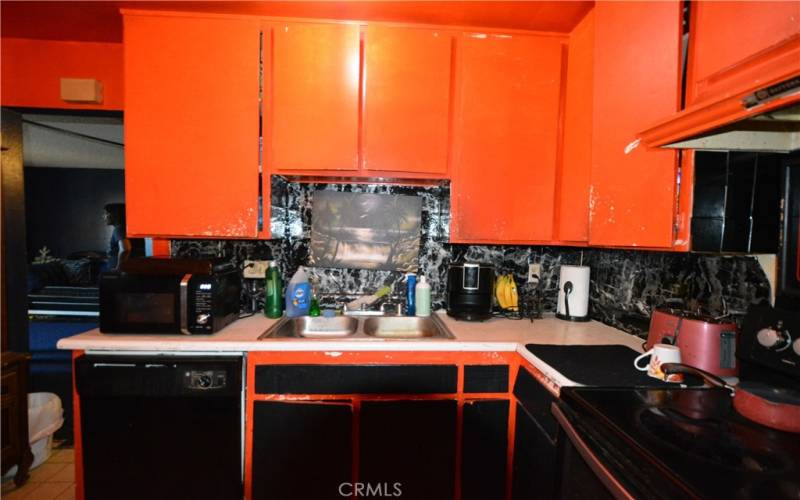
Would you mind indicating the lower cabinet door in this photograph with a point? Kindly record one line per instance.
(407, 448)
(535, 461)
(301, 450)
(484, 446)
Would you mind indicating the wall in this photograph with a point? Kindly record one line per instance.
(64, 208)
(625, 286)
(32, 72)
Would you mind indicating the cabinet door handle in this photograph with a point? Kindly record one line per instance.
(184, 304)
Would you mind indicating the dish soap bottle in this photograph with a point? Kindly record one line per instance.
(272, 289)
(423, 293)
(298, 294)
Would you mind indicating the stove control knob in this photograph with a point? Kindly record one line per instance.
(796, 347)
(768, 337)
(774, 339)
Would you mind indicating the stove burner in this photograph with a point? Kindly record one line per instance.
(709, 439)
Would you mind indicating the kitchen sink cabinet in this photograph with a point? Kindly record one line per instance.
(737, 46)
(312, 116)
(301, 449)
(409, 443)
(191, 125)
(431, 424)
(507, 105)
(636, 82)
(407, 99)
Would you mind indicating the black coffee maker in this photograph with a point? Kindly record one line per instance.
(470, 290)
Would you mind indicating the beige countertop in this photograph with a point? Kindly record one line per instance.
(499, 335)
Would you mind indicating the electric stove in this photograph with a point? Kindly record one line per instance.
(679, 442)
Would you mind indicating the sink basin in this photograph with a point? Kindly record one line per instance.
(313, 327)
(363, 329)
(405, 327)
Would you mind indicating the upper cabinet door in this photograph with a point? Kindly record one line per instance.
(313, 113)
(739, 45)
(576, 167)
(191, 126)
(506, 135)
(636, 82)
(407, 99)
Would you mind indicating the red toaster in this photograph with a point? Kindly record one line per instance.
(705, 342)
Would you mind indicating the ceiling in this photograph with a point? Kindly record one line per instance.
(100, 21)
(66, 141)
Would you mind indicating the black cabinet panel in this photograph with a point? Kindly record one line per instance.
(535, 460)
(301, 450)
(486, 378)
(737, 202)
(536, 400)
(356, 379)
(411, 443)
(484, 450)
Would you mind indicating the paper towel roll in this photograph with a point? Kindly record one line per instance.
(578, 297)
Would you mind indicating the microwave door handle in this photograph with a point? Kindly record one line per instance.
(603, 474)
(184, 304)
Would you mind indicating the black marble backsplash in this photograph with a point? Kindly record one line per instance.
(625, 284)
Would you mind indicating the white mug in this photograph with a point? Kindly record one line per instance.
(659, 354)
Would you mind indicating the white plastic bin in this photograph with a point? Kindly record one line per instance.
(45, 417)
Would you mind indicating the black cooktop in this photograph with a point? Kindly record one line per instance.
(708, 449)
(596, 365)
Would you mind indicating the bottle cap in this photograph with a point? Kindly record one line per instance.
(423, 279)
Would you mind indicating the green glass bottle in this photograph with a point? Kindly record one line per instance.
(273, 301)
(314, 309)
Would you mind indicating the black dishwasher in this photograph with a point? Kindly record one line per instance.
(161, 426)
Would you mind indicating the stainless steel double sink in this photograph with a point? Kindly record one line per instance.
(348, 327)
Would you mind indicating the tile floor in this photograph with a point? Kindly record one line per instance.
(53, 480)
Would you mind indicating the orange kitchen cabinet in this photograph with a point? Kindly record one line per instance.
(636, 82)
(506, 128)
(312, 115)
(407, 78)
(735, 46)
(191, 125)
(576, 167)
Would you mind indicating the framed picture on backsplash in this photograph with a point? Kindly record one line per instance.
(365, 231)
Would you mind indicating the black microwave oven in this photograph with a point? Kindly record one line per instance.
(160, 295)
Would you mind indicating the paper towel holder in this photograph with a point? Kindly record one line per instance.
(568, 307)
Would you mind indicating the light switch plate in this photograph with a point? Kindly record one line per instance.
(255, 268)
(534, 272)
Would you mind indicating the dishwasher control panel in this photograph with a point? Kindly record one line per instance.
(205, 379)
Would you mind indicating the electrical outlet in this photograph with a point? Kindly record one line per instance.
(255, 268)
(534, 272)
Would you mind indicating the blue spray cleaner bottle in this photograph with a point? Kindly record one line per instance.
(411, 302)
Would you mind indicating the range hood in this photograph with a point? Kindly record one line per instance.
(764, 120)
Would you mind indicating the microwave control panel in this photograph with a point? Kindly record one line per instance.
(203, 305)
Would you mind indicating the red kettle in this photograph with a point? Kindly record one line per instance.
(705, 342)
